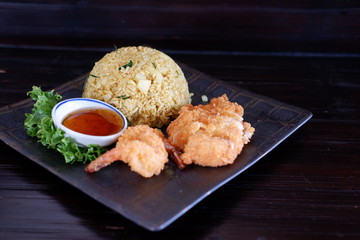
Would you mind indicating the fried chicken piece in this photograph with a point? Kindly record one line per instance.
(210, 135)
(141, 147)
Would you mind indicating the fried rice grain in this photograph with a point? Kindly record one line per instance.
(142, 82)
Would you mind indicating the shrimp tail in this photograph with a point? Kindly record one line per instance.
(174, 154)
(103, 161)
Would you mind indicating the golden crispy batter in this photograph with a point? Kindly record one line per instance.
(210, 135)
(141, 147)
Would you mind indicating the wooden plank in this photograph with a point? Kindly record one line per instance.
(321, 26)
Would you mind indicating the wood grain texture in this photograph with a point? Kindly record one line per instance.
(304, 54)
(306, 188)
(307, 26)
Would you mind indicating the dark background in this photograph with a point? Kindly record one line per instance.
(328, 26)
(305, 53)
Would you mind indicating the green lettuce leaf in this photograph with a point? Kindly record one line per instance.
(39, 124)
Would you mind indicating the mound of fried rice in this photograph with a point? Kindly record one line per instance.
(142, 82)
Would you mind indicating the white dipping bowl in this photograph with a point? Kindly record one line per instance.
(64, 108)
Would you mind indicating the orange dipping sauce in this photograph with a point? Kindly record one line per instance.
(96, 122)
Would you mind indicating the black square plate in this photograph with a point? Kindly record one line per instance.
(156, 202)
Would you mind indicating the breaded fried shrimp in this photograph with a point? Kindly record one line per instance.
(212, 134)
(141, 147)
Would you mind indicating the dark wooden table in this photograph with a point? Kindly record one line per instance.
(306, 188)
